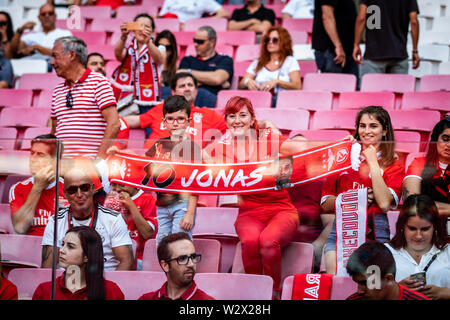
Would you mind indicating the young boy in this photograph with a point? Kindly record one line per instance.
(139, 212)
(175, 212)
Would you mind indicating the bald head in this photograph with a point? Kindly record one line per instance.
(79, 191)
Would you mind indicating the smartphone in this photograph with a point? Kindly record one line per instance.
(135, 26)
(419, 277)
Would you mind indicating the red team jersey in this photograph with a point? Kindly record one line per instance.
(45, 207)
(8, 290)
(351, 180)
(403, 294)
(205, 117)
(192, 293)
(418, 164)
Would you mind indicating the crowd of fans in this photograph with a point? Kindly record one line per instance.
(92, 111)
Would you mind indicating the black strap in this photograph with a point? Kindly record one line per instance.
(94, 217)
(431, 261)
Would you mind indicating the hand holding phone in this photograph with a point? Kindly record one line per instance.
(419, 277)
(135, 26)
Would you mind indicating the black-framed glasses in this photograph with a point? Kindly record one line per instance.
(179, 120)
(184, 259)
(69, 100)
(85, 187)
(274, 40)
(199, 41)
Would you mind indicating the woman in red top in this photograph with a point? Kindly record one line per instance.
(379, 171)
(268, 220)
(82, 255)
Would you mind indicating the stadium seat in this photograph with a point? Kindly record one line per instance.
(426, 101)
(233, 286)
(21, 251)
(44, 99)
(106, 50)
(444, 67)
(111, 66)
(65, 24)
(303, 52)
(321, 135)
(435, 82)
(28, 279)
(240, 69)
(106, 24)
(236, 37)
(24, 117)
(11, 180)
(16, 97)
(223, 49)
(441, 24)
(388, 82)
(5, 219)
(128, 13)
(327, 120)
(208, 248)
(247, 52)
(285, 119)
(136, 138)
(167, 24)
(259, 99)
(392, 218)
(219, 24)
(307, 66)
(297, 257)
(152, 3)
(184, 38)
(334, 82)
(231, 7)
(95, 12)
(407, 142)
(308, 100)
(207, 200)
(22, 66)
(277, 8)
(341, 288)
(433, 52)
(46, 81)
(91, 37)
(293, 24)
(8, 138)
(358, 99)
(299, 37)
(425, 67)
(136, 283)
(30, 134)
(411, 156)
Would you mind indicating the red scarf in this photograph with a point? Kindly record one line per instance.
(307, 286)
(138, 73)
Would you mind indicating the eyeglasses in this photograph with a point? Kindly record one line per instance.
(184, 259)
(179, 120)
(74, 189)
(69, 100)
(3, 23)
(44, 14)
(199, 41)
(273, 40)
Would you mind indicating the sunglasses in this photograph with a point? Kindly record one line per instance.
(199, 41)
(74, 189)
(447, 117)
(69, 100)
(184, 259)
(273, 40)
(44, 14)
(3, 23)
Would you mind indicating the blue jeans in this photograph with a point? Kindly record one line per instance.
(382, 233)
(325, 63)
(6, 71)
(169, 218)
(384, 66)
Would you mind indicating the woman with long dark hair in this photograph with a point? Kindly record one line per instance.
(379, 172)
(6, 34)
(167, 39)
(419, 247)
(81, 255)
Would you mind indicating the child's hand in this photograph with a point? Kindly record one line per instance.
(124, 197)
(187, 222)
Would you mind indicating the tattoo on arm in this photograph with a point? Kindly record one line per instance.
(405, 193)
(46, 252)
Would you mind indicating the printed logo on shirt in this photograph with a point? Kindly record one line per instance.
(197, 117)
(42, 220)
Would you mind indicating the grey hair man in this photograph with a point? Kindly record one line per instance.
(84, 113)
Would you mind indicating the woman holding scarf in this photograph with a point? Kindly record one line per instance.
(138, 74)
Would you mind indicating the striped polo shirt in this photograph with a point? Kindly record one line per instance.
(82, 127)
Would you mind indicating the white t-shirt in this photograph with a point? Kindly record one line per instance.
(189, 9)
(438, 273)
(282, 73)
(44, 39)
(110, 225)
(303, 9)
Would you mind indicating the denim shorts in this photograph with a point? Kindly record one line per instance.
(381, 223)
(169, 218)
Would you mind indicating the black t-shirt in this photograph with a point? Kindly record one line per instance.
(261, 14)
(389, 41)
(345, 16)
(212, 64)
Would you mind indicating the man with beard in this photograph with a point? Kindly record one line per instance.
(178, 259)
(283, 171)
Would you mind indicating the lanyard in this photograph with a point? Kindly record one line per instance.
(94, 217)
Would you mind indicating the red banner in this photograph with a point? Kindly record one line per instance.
(307, 286)
(229, 178)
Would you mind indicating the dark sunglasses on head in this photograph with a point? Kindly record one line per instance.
(3, 23)
(199, 41)
(273, 40)
(50, 13)
(83, 187)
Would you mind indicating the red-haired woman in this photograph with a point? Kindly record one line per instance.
(267, 221)
(276, 69)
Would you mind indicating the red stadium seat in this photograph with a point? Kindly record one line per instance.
(358, 99)
(236, 37)
(411, 156)
(8, 138)
(30, 134)
(223, 49)
(321, 135)
(39, 81)
(299, 37)
(240, 69)
(247, 52)
(106, 25)
(5, 219)
(16, 97)
(94, 12)
(28, 279)
(111, 66)
(11, 180)
(207, 200)
(184, 38)
(65, 24)
(152, 3)
(24, 117)
(297, 257)
(334, 82)
(44, 99)
(293, 24)
(285, 119)
(22, 251)
(231, 7)
(435, 82)
(219, 24)
(307, 66)
(136, 283)
(309, 100)
(259, 99)
(167, 24)
(399, 83)
(407, 142)
(128, 13)
(91, 37)
(106, 50)
(426, 100)
(209, 249)
(136, 138)
(334, 119)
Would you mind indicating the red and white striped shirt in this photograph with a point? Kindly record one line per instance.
(82, 127)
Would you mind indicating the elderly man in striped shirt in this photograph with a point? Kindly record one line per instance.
(83, 113)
